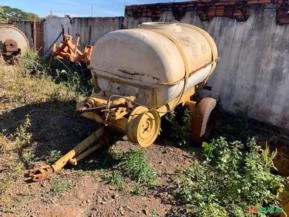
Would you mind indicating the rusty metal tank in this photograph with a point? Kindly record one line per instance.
(153, 62)
(13, 42)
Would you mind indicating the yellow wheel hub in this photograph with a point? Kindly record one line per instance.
(143, 126)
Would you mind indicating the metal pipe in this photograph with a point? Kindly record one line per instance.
(84, 154)
(58, 165)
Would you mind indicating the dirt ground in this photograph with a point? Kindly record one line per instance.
(55, 126)
(83, 190)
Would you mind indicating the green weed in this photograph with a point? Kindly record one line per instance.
(76, 78)
(132, 165)
(22, 136)
(139, 189)
(135, 166)
(116, 179)
(17, 140)
(54, 155)
(61, 186)
(32, 64)
(234, 177)
(179, 124)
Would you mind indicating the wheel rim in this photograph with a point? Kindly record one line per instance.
(144, 126)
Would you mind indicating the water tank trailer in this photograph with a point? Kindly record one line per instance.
(141, 75)
(144, 73)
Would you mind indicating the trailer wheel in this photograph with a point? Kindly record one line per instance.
(143, 126)
(200, 117)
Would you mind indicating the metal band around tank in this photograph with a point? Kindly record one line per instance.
(211, 43)
(181, 50)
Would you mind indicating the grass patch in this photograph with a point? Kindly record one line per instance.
(12, 170)
(28, 82)
(60, 187)
(76, 77)
(12, 147)
(116, 179)
(18, 140)
(131, 165)
(135, 166)
(53, 156)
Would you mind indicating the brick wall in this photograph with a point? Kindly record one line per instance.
(208, 9)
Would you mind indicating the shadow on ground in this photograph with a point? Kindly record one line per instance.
(54, 126)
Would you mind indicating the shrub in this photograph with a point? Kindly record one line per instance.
(76, 77)
(32, 64)
(233, 177)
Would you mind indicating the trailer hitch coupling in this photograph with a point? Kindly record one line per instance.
(79, 152)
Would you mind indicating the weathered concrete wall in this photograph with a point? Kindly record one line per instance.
(253, 72)
(90, 29)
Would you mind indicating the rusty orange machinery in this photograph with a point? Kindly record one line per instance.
(69, 51)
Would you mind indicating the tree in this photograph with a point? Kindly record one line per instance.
(12, 14)
(1, 14)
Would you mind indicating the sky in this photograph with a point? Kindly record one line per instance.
(76, 8)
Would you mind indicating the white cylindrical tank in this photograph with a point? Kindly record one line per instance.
(155, 62)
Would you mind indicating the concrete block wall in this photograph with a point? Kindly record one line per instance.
(89, 29)
(34, 32)
(43, 34)
(27, 28)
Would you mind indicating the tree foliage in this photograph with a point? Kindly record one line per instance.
(1, 14)
(9, 14)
